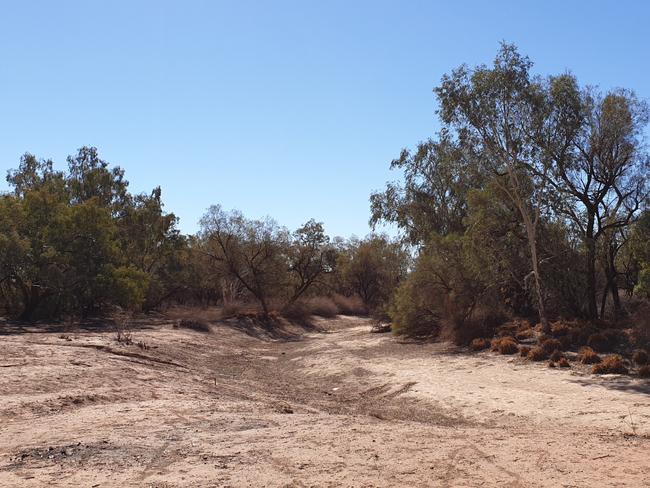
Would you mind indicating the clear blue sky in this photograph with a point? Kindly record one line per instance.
(291, 109)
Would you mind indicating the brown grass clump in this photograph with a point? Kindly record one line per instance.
(587, 355)
(556, 355)
(551, 364)
(610, 365)
(537, 354)
(523, 351)
(644, 371)
(563, 363)
(197, 325)
(505, 345)
(479, 344)
(640, 357)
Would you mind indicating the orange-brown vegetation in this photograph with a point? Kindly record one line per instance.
(587, 355)
(479, 344)
(610, 365)
(505, 345)
(537, 354)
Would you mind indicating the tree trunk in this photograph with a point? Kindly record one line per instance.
(590, 241)
(531, 233)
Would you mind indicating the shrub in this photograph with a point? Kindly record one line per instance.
(197, 325)
(640, 357)
(352, 305)
(537, 354)
(479, 344)
(550, 345)
(610, 365)
(587, 355)
(297, 312)
(644, 371)
(524, 351)
(556, 355)
(551, 364)
(563, 363)
(505, 345)
(323, 307)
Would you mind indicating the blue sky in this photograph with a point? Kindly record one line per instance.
(288, 109)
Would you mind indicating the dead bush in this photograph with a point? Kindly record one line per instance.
(644, 371)
(505, 345)
(352, 305)
(559, 329)
(587, 355)
(197, 325)
(524, 351)
(610, 365)
(564, 363)
(556, 355)
(537, 354)
(640, 357)
(323, 307)
(479, 344)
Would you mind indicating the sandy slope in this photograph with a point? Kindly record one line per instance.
(336, 407)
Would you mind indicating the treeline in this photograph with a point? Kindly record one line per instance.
(531, 200)
(77, 243)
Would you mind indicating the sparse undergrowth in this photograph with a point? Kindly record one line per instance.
(610, 365)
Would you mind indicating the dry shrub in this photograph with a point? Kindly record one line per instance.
(551, 364)
(610, 365)
(524, 351)
(556, 355)
(352, 305)
(640, 357)
(563, 363)
(297, 312)
(507, 345)
(549, 345)
(197, 325)
(537, 354)
(322, 306)
(479, 344)
(587, 355)
(644, 371)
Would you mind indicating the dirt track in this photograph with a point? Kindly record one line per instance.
(335, 407)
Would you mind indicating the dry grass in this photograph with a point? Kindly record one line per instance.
(559, 329)
(479, 344)
(610, 365)
(563, 363)
(587, 355)
(556, 355)
(505, 345)
(605, 341)
(537, 354)
(644, 371)
(640, 357)
(524, 351)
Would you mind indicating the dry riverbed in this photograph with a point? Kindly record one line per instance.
(331, 406)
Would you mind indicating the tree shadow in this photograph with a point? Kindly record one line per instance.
(15, 327)
(616, 382)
